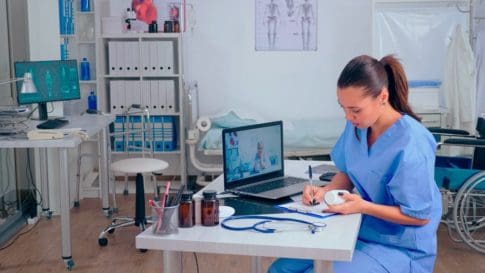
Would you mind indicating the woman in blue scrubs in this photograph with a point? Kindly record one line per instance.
(387, 158)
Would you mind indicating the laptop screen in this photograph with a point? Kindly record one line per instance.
(252, 153)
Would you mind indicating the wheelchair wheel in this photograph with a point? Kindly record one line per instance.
(469, 212)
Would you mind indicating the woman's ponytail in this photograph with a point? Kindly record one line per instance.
(397, 86)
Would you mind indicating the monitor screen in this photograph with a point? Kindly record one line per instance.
(254, 150)
(55, 80)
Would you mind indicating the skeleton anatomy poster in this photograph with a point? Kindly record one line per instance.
(286, 25)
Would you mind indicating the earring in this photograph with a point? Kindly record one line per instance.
(383, 103)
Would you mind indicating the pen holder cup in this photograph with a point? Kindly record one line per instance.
(166, 221)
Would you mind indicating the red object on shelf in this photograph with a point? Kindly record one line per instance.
(145, 10)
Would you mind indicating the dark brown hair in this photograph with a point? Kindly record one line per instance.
(372, 75)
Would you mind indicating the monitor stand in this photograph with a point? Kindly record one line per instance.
(42, 109)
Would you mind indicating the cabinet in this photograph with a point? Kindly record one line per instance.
(77, 28)
(78, 41)
(145, 69)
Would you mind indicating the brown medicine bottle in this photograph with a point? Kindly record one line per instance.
(209, 207)
(186, 210)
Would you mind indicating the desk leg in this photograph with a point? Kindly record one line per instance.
(320, 266)
(40, 155)
(103, 170)
(172, 261)
(255, 264)
(64, 208)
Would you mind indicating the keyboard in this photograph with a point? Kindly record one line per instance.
(52, 124)
(271, 185)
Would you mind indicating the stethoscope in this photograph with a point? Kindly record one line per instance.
(259, 226)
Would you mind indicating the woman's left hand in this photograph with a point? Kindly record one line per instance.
(353, 204)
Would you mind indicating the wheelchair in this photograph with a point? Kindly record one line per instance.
(461, 181)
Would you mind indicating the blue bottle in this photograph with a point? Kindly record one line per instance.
(85, 75)
(92, 105)
(85, 5)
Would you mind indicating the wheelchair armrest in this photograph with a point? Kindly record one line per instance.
(465, 142)
(450, 132)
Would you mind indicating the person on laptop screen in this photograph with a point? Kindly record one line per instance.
(261, 160)
(388, 157)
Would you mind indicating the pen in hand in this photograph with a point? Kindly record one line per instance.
(313, 202)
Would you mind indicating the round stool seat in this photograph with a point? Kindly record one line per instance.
(139, 165)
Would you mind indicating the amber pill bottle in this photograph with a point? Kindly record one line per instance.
(186, 210)
(209, 208)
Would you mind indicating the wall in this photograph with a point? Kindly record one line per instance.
(479, 46)
(5, 93)
(219, 53)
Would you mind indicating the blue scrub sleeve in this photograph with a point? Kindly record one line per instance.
(338, 151)
(412, 185)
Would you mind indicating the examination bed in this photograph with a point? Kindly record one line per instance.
(305, 137)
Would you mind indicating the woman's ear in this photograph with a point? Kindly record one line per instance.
(384, 95)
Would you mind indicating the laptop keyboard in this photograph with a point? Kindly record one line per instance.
(271, 185)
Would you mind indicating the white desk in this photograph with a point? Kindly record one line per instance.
(93, 124)
(335, 243)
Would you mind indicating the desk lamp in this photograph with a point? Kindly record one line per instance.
(28, 86)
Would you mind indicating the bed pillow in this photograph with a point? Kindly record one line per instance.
(230, 120)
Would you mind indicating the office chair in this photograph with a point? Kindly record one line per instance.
(135, 138)
(462, 185)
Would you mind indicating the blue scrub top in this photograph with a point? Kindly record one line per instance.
(397, 170)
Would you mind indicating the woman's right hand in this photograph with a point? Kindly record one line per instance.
(312, 193)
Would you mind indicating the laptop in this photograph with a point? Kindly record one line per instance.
(253, 162)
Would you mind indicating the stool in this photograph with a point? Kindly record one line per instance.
(137, 166)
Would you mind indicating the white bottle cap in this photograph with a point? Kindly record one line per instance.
(334, 197)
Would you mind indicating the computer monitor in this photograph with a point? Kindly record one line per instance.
(56, 80)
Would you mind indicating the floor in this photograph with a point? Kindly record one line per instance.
(38, 249)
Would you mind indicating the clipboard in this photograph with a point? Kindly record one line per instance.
(299, 207)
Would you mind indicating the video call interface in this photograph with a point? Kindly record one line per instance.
(252, 152)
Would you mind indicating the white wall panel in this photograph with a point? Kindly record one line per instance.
(219, 52)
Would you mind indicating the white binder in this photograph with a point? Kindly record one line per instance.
(162, 97)
(117, 94)
(154, 98)
(120, 58)
(132, 58)
(145, 95)
(145, 58)
(112, 58)
(170, 96)
(162, 69)
(166, 48)
(154, 59)
(135, 53)
(132, 93)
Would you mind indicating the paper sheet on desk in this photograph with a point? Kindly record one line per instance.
(299, 207)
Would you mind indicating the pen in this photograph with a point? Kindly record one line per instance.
(310, 177)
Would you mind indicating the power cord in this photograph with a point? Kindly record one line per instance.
(196, 262)
(30, 179)
(182, 262)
